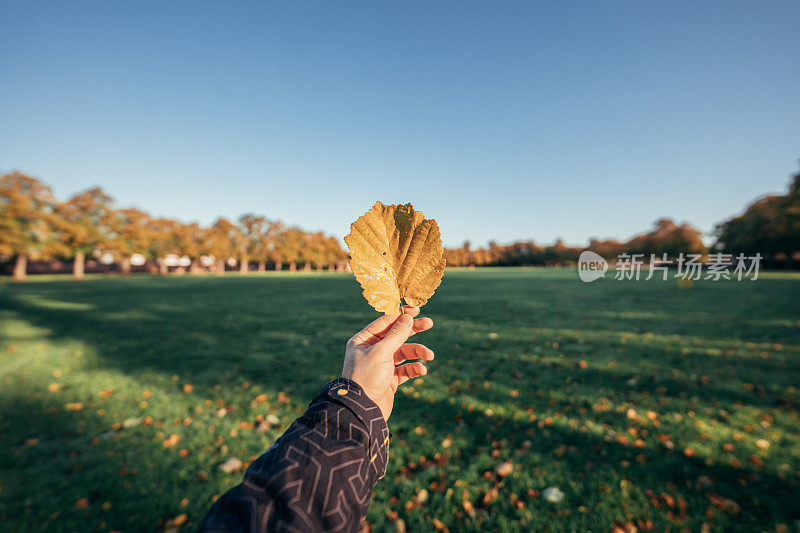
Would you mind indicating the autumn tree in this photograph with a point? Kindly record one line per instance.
(85, 223)
(316, 249)
(608, 248)
(132, 234)
(253, 228)
(191, 241)
(26, 219)
(162, 241)
(333, 252)
(667, 237)
(226, 241)
(290, 246)
(769, 226)
(271, 241)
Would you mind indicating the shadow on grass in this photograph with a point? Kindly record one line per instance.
(591, 469)
(287, 334)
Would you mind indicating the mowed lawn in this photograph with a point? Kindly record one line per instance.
(669, 408)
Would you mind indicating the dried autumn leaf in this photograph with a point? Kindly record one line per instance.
(231, 465)
(504, 469)
(396, 254)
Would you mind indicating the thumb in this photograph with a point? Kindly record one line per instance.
(398, 335)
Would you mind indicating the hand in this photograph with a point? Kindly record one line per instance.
(373, 354)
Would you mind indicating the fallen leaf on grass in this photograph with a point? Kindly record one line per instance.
(469, 508)
(396, 255)
(176, 523)
(131, 422)
(439, 525)
(231, 465)
(623, 528)
(723, 504)
(490, 496)
(552, 494)
(504, 469)
(261, 398)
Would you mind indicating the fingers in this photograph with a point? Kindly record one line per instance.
(398, 334)
(410, 351)
(374, 331)
(381, 326)
(410, 310)
(409, 371)
(422, 324)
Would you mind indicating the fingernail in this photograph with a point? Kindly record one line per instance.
(405, 320)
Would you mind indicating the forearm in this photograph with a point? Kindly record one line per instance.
(318, 476)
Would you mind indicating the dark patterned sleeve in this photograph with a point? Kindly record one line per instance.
(318, 476)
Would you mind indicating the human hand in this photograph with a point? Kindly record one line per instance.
(373, 354)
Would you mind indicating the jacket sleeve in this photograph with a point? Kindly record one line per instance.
(318, 476)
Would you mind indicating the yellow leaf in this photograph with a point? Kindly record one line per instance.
(396, 254)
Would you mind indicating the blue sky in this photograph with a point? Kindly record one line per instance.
(502, 120)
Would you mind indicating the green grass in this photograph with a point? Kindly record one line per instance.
(532, 367)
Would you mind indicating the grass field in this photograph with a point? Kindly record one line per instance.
(642, 402)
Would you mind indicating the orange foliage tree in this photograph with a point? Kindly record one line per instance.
(27, 220)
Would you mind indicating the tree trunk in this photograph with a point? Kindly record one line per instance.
(331, 267)
(307, 267)
(195, 269)
(244, 265)
(21, 267)
(262, 266)
(78, 265)
(292, 266)
(163, 269)
(220, 267)
(278, 266)
(125, 266)
(319, 267)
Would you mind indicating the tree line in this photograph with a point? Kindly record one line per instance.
(34, 225)
(666, 237)
(770, 226)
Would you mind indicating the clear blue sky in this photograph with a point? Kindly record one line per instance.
(502, 120)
